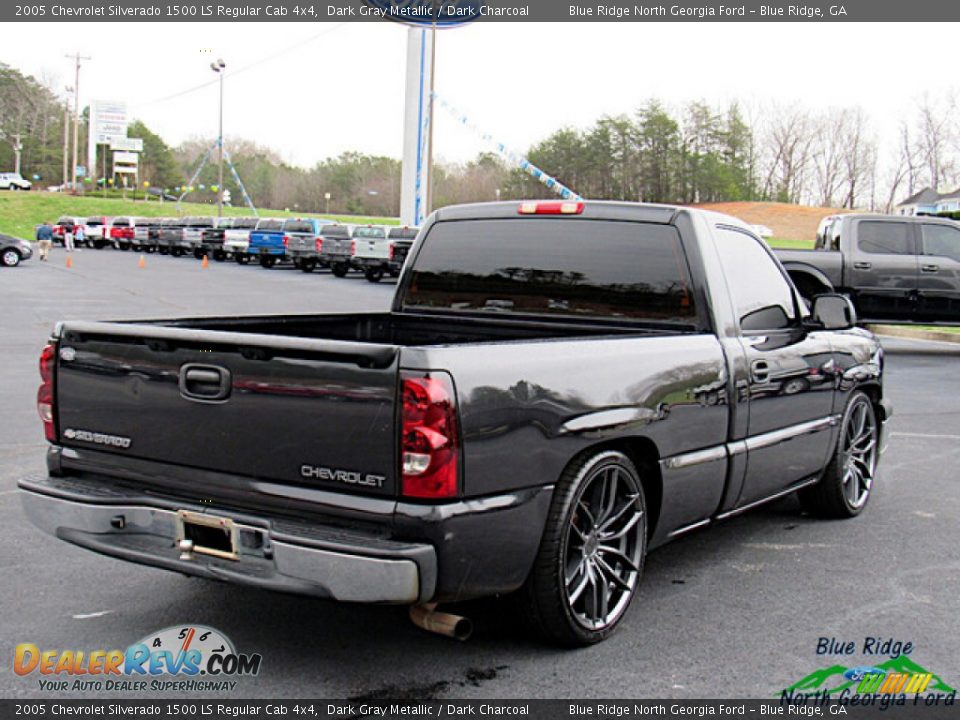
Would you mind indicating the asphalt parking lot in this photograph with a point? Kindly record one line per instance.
(734, 611)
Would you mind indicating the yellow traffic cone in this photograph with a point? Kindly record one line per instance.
(206, 263)
(69, 261)
(143, 262)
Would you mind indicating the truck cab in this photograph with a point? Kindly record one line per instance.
(896, 269)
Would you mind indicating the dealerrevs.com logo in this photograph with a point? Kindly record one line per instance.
(181, 658)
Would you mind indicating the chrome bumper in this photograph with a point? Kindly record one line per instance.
(273, 554)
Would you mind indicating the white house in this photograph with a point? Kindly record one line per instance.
(929, 202)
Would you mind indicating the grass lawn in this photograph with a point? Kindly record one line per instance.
(786, 244)
(20, 212)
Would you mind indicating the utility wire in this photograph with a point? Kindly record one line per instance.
(244, 68)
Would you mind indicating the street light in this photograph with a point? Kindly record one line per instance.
(218, 68)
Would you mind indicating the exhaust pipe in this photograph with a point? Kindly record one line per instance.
(428, 618)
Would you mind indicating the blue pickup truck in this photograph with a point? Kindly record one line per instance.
(266, 242)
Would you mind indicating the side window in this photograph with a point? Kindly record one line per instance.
(762, 296)
(884, 238)
(941, 240)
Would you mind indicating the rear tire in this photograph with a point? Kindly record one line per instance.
(339, 270)
(373, 276)
(846, 484)
(591, 554)
(241, 259)
(267, 261)
(308, 266)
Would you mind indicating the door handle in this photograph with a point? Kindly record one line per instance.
(862, 265)
(204, 383)
(760, 371)
(929, 268)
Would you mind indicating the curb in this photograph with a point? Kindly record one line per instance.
(910, 333)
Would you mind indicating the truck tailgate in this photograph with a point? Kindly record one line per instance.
(287, 409)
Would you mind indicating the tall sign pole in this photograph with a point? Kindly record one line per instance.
(415, 173)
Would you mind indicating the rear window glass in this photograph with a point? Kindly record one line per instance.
(401, 233)
(270, 225)
(298, 226)
(196, 222)
(341, 231)
(369, 232)
(121, 222)
(245, 223)
(884, 238)
(544, 266)
(94, 221)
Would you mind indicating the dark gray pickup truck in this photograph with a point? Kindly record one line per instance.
(558, 388)
(895, 269)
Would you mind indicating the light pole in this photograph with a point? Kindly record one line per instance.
(218, 67)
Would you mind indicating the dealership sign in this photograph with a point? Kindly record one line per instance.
(127, 144)
(108, 121)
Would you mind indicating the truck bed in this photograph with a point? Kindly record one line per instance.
(260, 397)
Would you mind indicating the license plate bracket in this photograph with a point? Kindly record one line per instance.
(209, 534)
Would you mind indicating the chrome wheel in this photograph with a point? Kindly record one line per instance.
(10, 258)
(859, 454)
(604, 547)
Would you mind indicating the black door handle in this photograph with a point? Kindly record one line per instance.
(760, 371)
(204, 383)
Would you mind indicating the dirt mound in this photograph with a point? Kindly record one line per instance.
(792, 222)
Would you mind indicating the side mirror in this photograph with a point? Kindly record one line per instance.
(832, 312)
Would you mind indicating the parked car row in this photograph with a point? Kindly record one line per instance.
(307, 243)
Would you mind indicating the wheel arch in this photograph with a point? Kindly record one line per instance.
(808, 279)
(645, 455)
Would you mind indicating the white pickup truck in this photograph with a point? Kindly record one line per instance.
(379, 250)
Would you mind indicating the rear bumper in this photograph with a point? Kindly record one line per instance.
(390, 266)
(276, 554)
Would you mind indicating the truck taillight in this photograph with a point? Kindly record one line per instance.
(552, 207)
(46, 398)
(353, 247)
(429, 442)
(286, 240)
(391, 251)
(319, 243)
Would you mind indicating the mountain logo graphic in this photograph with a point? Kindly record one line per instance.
(899, 674)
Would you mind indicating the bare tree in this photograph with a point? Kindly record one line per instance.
(787, 142)
(937, 136)
(828, 154)
(858, 157)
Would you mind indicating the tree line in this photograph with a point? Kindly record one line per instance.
(693, 153)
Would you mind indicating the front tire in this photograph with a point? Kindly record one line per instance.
(10, 258)
(591, 555)
(847, 482)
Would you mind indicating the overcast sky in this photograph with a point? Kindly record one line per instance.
(338, 87)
